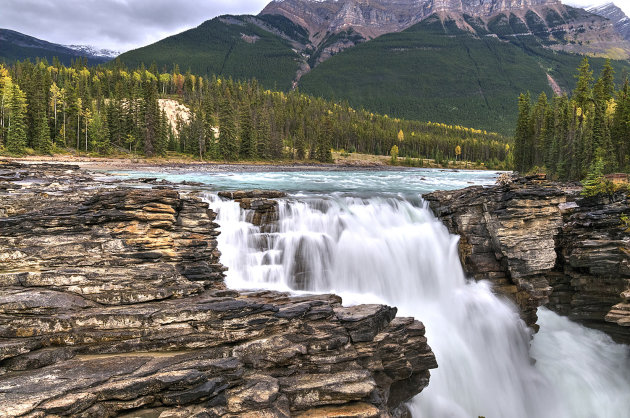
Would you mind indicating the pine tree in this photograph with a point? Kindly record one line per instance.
(198, 133)
(523, 134)
(621, 126)
(325, 141)
(248, 149)
(228, 137)
(538, 120)
(151, 117)
(299, 144)
(16, 135)
(582, 94)
(44, 144)
(263, 134)
(595, 183)
(161, 145)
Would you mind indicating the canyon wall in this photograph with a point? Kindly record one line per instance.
(542, 244)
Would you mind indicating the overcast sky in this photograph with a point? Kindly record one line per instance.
(128, 24)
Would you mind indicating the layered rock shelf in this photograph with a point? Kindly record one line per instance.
(260, 206)
(112, 302)
(541, 244)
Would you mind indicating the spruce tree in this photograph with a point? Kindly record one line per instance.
(324, 143)
(583, 89)
(523, 134)
(151, 111)
(16, 135)
(538, 120)
(300, 144)
(607, 79)
(228, 136)
(44, 144)
(621, 126)
(263, 134)
(248, 149)
(161, 145)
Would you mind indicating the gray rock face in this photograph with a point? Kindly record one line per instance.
(540, 244)
(620, 21)
(373, 18)
(112, 303)
(592, 278)
(336, 25)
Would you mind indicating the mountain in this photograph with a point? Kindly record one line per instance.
(439, 72)
(372, 18)
(268, 48)
(453, 61)
(17, 46)
(620, 21)
(559, 27)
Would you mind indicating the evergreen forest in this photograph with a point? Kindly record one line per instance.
(573, 135)
(46, 108)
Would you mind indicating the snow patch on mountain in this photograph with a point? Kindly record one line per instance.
(90, 51)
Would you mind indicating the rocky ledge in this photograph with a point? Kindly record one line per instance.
(541, 244)
(260, 206)
(112, 303)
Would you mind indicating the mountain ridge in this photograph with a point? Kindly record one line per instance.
(17, 46)
(568, 29)
(619, 19)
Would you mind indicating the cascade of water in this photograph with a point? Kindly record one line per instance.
(388, 250)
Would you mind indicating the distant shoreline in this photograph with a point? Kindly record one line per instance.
(164, 164)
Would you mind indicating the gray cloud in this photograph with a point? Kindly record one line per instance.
(115, 24)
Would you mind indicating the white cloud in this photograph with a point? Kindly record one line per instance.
(115, 24)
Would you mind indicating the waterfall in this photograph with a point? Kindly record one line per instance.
(393, 251)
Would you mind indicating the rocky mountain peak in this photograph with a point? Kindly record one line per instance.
(372, 18)
(620, 21)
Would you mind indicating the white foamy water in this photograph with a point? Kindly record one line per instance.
(388, 250)
(370, 240)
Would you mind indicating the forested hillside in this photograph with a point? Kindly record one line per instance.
(436, 71)
(569, 137)
(241, 47)
(103, 110)
(433, 70)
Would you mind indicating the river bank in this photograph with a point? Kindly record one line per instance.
(342, 162)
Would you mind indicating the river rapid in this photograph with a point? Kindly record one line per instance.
(368, 236)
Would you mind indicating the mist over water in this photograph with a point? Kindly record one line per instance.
(373, 241)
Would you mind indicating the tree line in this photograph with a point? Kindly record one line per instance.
(112, 109)
(569, 136)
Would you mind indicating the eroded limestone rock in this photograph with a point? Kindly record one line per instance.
(112, 303)
(540, 243)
